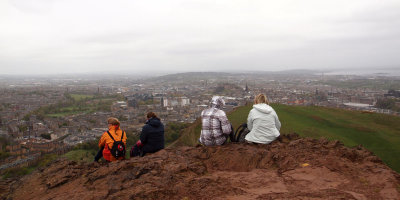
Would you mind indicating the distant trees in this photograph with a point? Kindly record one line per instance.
(321, 96)
(45, 136)
(27, 117)
(4, 141)
(89, 145)
(4, 155)
(122, 118)
(386, 103)
(23, 128)
(173, 130)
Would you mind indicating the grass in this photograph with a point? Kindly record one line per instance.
(82, 104)
(4, 155)
(79, 97)
(190, 135)
(378, 133)
(21, 171)
(63, 114)
(81, 155)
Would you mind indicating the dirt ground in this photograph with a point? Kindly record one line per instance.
(293, 168)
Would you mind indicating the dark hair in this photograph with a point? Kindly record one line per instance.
(151, 115)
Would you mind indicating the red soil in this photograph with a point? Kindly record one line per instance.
(293, 168)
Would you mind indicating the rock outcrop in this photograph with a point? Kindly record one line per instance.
(293, 168)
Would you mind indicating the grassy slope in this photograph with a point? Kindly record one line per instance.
(377, 132)
(81, 155)
(18, 172)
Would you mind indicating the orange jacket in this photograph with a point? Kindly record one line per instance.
(107, 142)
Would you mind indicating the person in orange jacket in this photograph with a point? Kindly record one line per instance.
(106, 142)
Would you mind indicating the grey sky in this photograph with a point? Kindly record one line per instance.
(72, 36)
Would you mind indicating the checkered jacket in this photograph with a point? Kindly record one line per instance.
(215, 127)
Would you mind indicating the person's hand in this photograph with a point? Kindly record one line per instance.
(139, 143)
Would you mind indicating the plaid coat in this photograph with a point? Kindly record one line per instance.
(215, 127)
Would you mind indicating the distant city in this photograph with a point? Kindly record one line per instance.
(41, 115)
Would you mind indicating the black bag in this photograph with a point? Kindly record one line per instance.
(231, 135)
(136, 151)
(241, 133)
(118, 148)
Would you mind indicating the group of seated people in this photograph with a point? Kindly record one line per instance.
(262, 122)
(112, 143)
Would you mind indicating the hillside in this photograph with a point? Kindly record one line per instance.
(378, 133)
(293, 168)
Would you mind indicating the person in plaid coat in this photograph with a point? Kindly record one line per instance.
(215, 127)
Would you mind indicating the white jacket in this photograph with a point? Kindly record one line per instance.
(263, 123)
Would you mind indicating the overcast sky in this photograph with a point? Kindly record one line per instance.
(74, 36)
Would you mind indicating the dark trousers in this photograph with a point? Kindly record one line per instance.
(99, 155)
(136, 151)
(231, 136)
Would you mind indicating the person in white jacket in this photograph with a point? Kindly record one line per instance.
(262, 122)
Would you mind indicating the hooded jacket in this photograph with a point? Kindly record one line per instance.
(152, 136)
(215, 126)
(263, 123)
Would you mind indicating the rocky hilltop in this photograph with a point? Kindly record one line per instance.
(292, 168)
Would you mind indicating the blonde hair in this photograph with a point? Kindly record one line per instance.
(113, 121)
(261, 98)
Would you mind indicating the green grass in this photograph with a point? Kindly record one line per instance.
(76, 104)
(83, 106)
(378, 133)
(81, 155)
(189, 136)
(4, 155)
(63, 114)
(78, 97)
(21, 171)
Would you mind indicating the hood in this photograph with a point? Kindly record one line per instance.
(155, 122)
(262, 107)
(217, 102)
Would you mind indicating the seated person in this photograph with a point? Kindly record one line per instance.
(107, 140)
(262, 122)
(215, 127)
(151, 138)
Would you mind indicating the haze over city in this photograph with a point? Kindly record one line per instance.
(55, 37)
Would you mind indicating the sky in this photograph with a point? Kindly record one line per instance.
(131, 36)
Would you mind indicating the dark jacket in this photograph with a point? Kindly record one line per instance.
(152, 136)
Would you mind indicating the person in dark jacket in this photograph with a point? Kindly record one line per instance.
(151, 138)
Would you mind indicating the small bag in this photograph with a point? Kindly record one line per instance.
(118, 148)
(241, 133)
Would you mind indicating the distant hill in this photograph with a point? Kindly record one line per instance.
(196, 76)
(378, 133)
(191, 76)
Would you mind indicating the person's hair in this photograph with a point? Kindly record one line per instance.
(113, 121)
(261, 98)
(151, 115)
